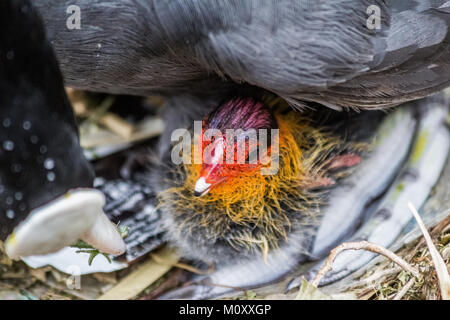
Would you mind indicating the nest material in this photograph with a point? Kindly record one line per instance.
(381, 280)
(386, 281)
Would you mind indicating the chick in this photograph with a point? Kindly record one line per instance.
(227, 207)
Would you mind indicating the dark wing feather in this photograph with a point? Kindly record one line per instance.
(416, 62)
(321, 56)
(299, 49)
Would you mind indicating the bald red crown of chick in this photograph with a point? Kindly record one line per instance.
(223, 131)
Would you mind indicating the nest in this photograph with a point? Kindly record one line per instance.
(160, 271)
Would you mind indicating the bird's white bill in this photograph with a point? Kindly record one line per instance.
(76, 215)
(201, 187)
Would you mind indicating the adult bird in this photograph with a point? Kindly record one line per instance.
(211, 58)
(302, 51)
(47, 198)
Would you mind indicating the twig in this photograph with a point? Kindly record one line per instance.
(377, 276)
(439, 264)
(181, 265)
(177, 278)
(439, 228)
(405, 289)
(225, 286)
(364, 245)
(110, 120)
(117, 125)
(145, 275)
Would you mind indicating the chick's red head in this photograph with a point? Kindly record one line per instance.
(231, 141)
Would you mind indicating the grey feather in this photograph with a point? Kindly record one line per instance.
(301, 50)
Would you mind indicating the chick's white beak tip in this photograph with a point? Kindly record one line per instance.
(201, 187)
